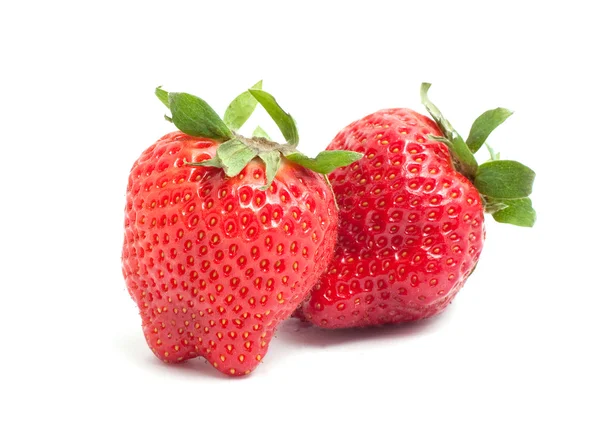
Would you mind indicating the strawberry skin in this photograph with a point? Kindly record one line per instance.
(411, 227)
(215, 263)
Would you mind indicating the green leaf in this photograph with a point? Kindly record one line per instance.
(492, 205)
(464, 160)
(162, 95)
(284, 120)
(435, 113)
(458, 149)
(192, 115)
(260, 133)
(518, 212)
(326, 161)
(272, 160)
(234, 155)
(241, 108)
(494, 156)
(212, 162)
(504, 179)
(484, 125)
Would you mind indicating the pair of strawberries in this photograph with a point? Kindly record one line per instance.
(226, 236)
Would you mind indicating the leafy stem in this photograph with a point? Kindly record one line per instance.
(193, 116)
(504, 185)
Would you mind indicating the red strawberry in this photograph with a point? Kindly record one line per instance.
(412, 216)
(224, 237)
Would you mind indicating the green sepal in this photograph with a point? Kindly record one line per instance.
(519, 212)
(260, 133)
(494, 156)
(162, 95)
(504, 179)
(241, 108)
(193, 116)
(212, 162)
(284, 120)
(464, 160)
(326, 161)
(494, 205)
(272, 160)
(433, 110)
(503, 185)
(234, 155)
(484, 125)
(468, 170)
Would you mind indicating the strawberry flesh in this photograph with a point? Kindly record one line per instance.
(411, 227)
(215, 263)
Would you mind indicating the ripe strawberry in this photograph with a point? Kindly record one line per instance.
(224, 235)
(412, 216)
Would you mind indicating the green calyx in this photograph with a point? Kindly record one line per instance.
(504, 185)
(193, 116)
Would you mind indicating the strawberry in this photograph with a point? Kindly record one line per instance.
(412, 216)
(224, 235)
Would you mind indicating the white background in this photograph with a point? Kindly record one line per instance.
(514, 357)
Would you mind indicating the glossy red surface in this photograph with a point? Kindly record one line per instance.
(411, 227)
(215, 263)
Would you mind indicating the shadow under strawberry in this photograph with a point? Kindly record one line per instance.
(297, 332)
